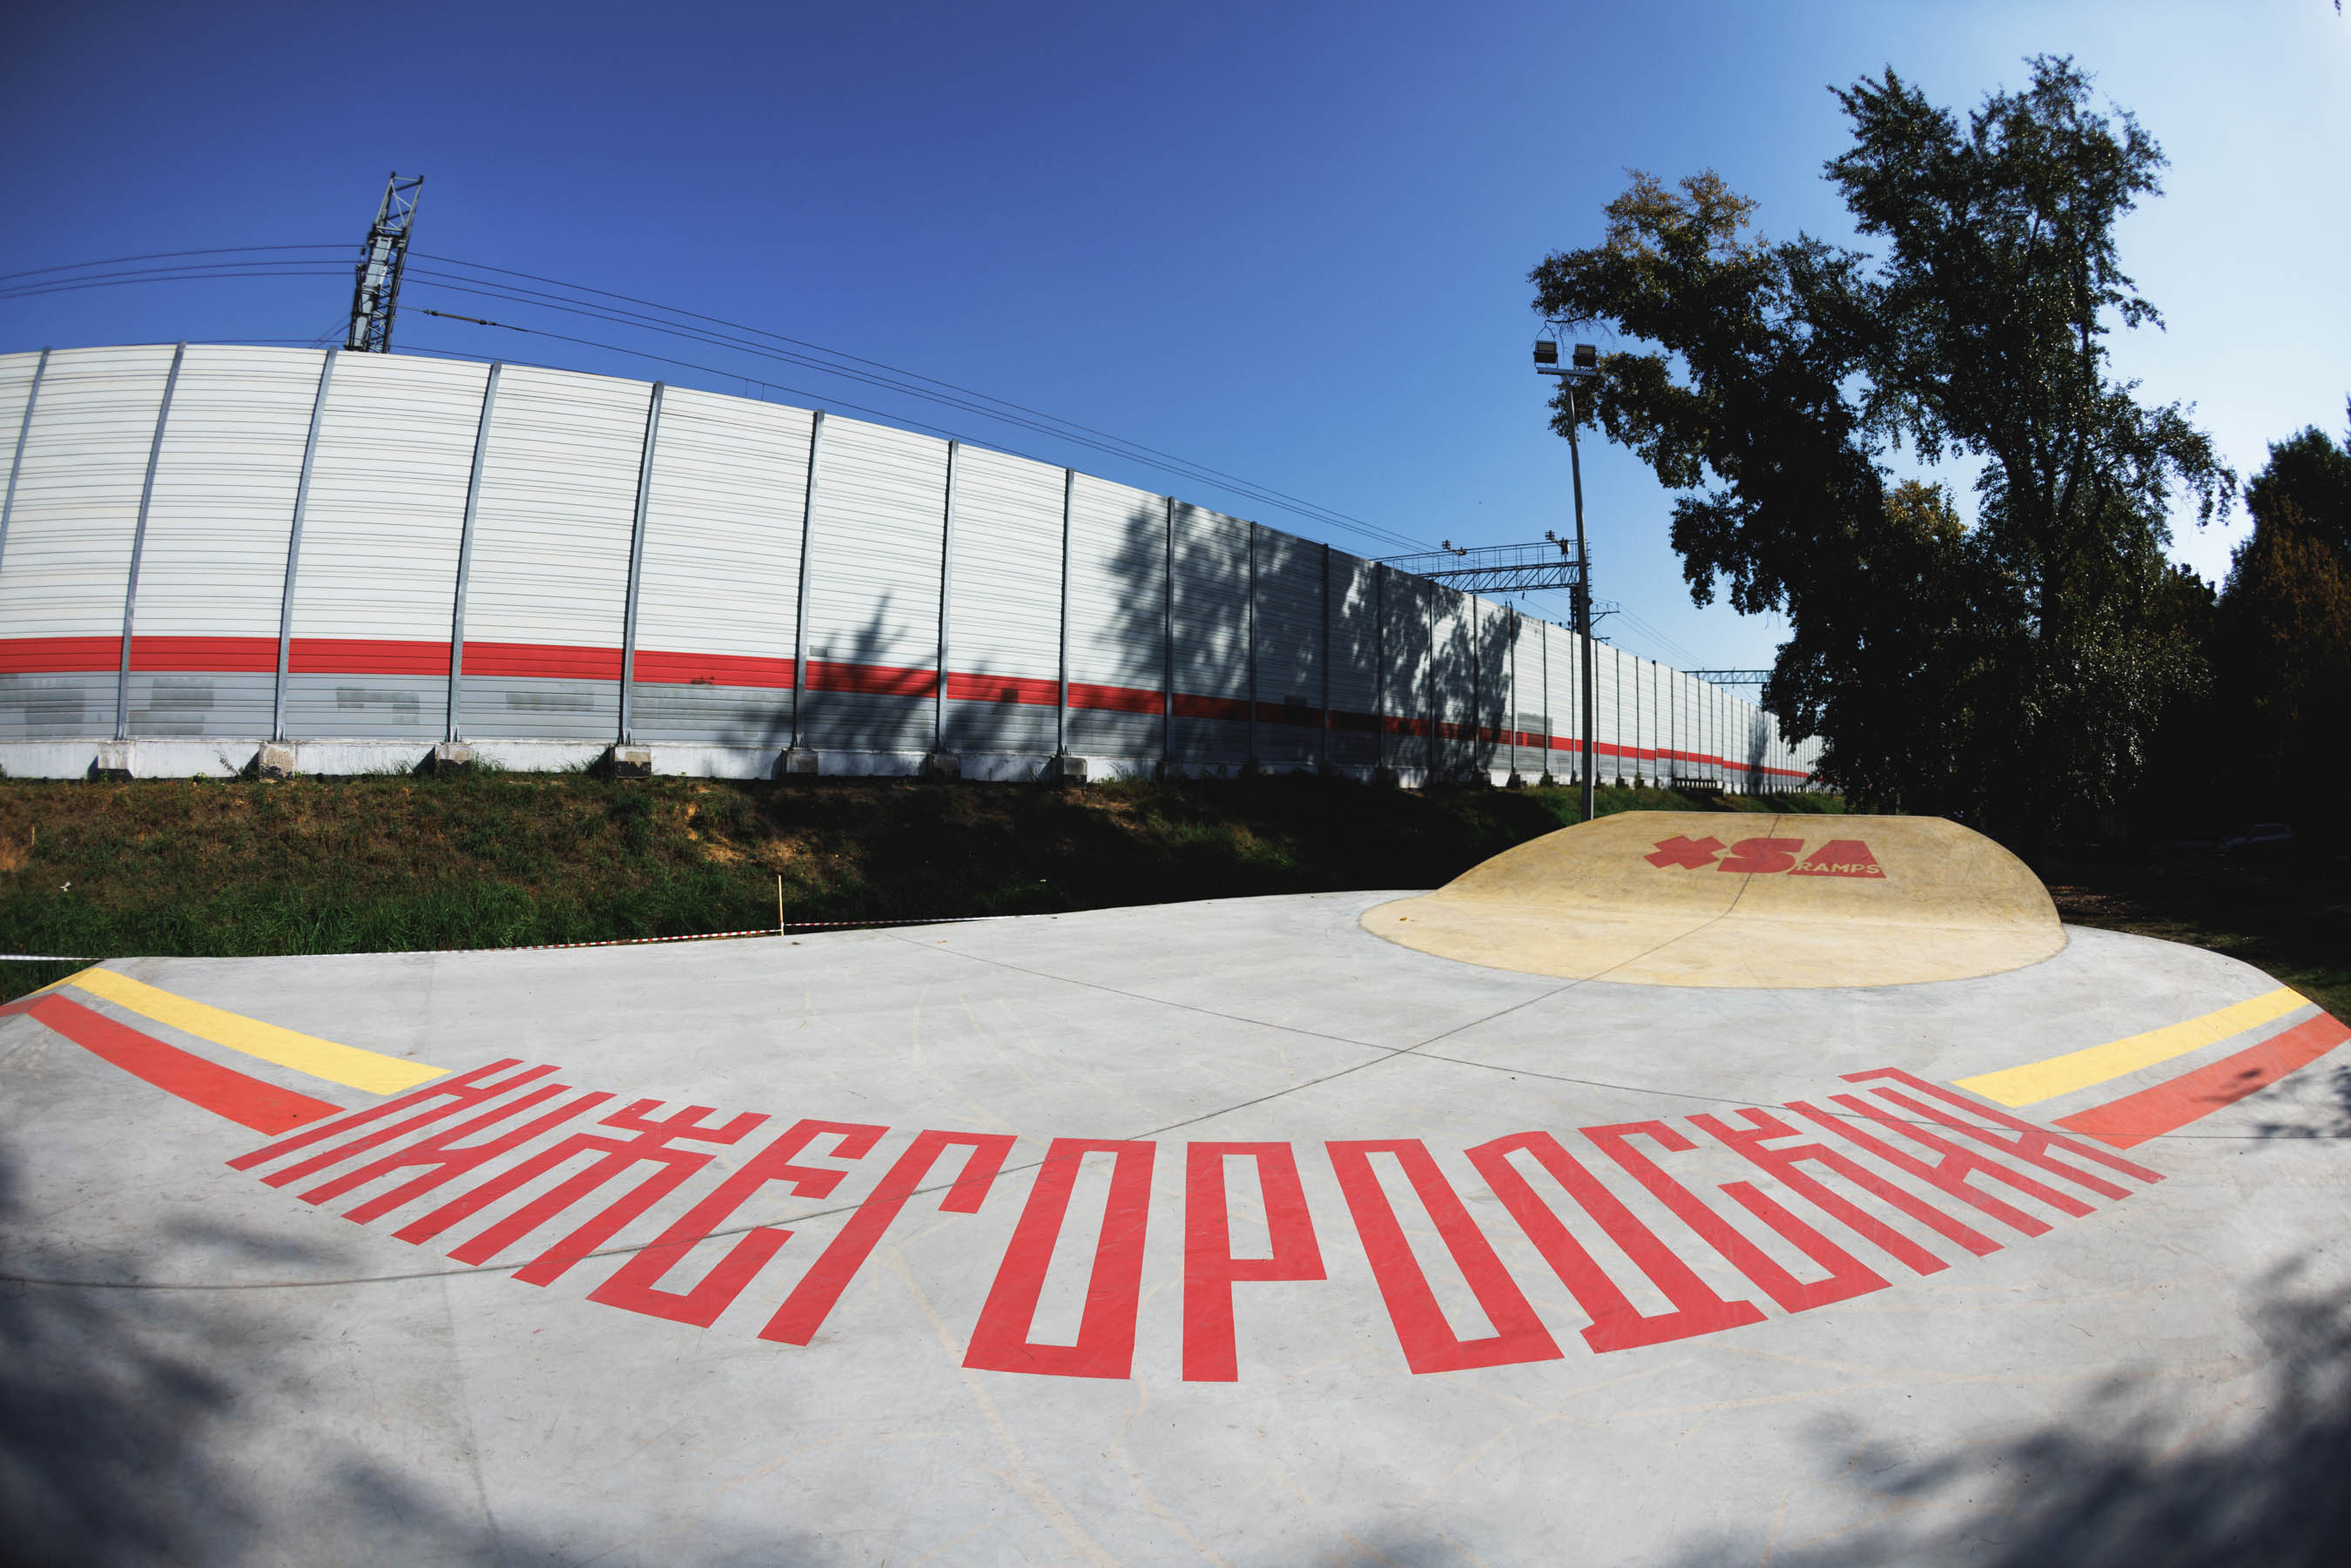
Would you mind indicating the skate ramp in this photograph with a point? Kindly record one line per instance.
(1739, 899)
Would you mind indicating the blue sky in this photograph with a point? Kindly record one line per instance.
(1288, 241)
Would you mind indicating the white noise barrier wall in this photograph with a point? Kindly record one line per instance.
(205, 549)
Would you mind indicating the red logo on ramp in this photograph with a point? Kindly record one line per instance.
(1842, 857)
(1763, 857)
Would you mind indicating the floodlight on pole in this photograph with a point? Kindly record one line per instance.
(1581, 369)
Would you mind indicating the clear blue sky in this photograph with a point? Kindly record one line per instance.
(1289, 241)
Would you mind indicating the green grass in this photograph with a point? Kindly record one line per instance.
(174, 868)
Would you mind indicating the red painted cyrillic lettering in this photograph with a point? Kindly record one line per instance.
(1787, 1164)
(1951, 1171)
(1428, 1340)
(2032, 1143)
(1848, 1275)
(462, 1091)
(805, 1310)
(1616, 1324)
(637, 1283)
(445, 1157)
(1210, 1270)
(1105, 1346)
(650, 1146)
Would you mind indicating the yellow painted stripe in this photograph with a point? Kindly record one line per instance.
(367, 1069)
(2038, 1080)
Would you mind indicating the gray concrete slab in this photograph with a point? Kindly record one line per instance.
(197, 1365)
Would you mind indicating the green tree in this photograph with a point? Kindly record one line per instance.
(2281, 637)
(2010, 671)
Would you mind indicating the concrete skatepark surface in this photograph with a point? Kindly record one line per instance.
(1223, 1232)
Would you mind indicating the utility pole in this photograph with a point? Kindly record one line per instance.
(381, 261)
(1582, 370)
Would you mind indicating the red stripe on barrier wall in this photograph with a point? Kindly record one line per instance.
(2166, 1107)
(366, 656)
(1188, 707)
(211, 655)
(970, 688)
(542, 661)
(870, 680)
(712, 669)
(1114, 699)
(59, 656)
(264, 1107)
(1295, 714)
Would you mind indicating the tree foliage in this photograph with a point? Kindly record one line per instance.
(2010, 671)
(2281, 635)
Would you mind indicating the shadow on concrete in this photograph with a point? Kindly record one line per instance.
(2120, 1480)
(130, 1420)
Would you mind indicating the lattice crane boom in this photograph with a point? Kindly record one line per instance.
(376, 295)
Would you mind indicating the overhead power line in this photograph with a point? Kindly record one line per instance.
(197, 272)
(738, 336)
(166, 255)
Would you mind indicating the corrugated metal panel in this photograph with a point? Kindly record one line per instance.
(15, 386)
(1641, 718)
(719, 581)
(1406, 602)
(211, 577)
(1450, 639)
(68, 553)
(1604, 710)
(78, 493)
(21, 692)
(1211, 621)
(1354, 661)
(1288, 648)
(1004, 609)
(1118, 608)
(374, 593)
(1529, 755)
(547, 588)
(875, 553)
(1489, 676)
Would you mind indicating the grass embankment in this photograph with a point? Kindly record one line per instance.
(168, 867)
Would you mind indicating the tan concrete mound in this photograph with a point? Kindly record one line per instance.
(1735, 899)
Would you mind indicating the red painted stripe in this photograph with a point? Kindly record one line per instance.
(366, 656)
(59, 656)
(2166, 1107)
(542, 661)
(221, 655)
(1114, 699)
(1295, 714)
(1188, 707)
(969, 688)
(713, 669)
(264, 1107)
(870, 680)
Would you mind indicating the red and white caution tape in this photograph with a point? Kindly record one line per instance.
(616, 941)
(727, 935)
